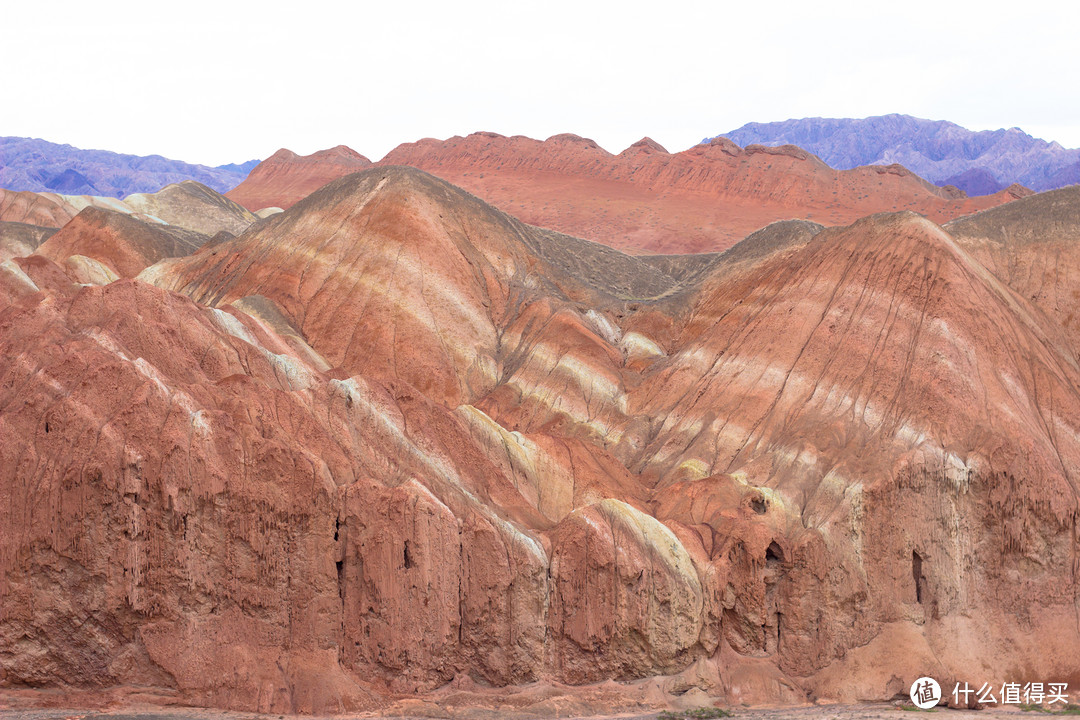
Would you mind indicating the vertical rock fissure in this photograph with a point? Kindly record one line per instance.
(917, 574)
(462, 583)
(774, 573)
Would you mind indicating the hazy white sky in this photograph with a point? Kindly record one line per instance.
(218, 82)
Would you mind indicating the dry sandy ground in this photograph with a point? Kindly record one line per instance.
(825, 712)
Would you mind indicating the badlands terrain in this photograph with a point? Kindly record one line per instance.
(396, 450)
(644, 200)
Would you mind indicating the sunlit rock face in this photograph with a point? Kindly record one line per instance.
(392, 438)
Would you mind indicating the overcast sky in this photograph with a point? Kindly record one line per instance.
(219, 82)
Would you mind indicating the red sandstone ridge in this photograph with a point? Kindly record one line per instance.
(394, 439)
(643, 200)
(646, 200)
(285, 177)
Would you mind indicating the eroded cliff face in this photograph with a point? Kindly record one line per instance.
(393, 438)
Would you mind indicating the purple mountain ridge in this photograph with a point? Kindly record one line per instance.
(978, 162)
(42, 166)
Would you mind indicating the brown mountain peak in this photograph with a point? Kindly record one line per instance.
(647, 144)
(342, 153)
(572, 140)
(285, 177)
(282, 155)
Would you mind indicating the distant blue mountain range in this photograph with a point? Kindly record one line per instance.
(979, 163)
(41, 166)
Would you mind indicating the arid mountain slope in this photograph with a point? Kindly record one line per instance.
(368, 295)
(285, 178)
(193, 206)
(122, 244)
(20, 239)
(142, 387)
(187, 205)
(940, 151)
(644, 200)
(393, 438)
(895, 401)
(1034, 247)
(33, 209)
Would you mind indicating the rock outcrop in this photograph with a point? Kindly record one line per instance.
(394, 440)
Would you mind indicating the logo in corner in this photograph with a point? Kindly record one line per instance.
(925, 693)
